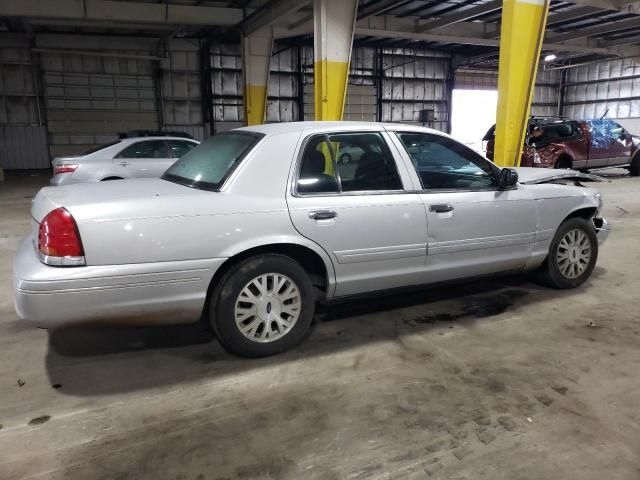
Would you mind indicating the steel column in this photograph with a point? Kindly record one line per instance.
(522, 32)
(333, 27)
(256, 56)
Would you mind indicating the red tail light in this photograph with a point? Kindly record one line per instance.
(59, 240)
(65, 168)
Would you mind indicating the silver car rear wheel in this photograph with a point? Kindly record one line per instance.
(574, 254)
(267, 307)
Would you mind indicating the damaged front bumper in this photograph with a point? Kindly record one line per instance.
(603, 228)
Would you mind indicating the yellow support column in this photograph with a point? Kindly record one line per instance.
(333, 26)
(521, 35)
(256, 55)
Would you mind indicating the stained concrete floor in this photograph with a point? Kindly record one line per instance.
(498, 379)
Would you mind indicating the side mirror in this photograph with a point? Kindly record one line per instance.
(508, 179)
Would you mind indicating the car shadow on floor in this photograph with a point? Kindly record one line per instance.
(87, 361)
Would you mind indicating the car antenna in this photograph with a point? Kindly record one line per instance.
(604, 114)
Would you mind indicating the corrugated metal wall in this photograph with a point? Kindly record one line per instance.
(89, 99)
(181, 88)
(594, 89)
(23, 141)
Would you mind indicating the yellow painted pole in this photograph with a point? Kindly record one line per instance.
(256, 56)
(521, 36)
(334, 23)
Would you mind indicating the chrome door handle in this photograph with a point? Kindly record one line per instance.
(322, 215)
(441, 208)
(123, 164)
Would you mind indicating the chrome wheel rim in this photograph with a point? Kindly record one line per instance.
(574, 254)
(268, 307)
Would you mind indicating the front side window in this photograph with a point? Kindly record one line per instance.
(146, 149)
(179, 148)
(207, 166)
(444, 164)
(347, 162)
(604, 132)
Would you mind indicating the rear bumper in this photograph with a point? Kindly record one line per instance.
(603, 228)
(145, 293)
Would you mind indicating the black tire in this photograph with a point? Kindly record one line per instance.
(564, 162)
(345, 158)
(550, 272)
(634, 167)
(231, 285)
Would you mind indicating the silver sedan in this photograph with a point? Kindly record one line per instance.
(125, 158)
(255, 225)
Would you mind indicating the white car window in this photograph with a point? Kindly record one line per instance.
(444, 164)
(180, 148)
(371, 166)
(145, 149)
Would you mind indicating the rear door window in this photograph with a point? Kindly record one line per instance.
(145, 149)
(347, 162)
(179, 148)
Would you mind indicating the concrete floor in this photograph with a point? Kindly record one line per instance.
(493, 380)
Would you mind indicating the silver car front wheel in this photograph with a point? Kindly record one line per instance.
(574, 253)
(268, 307)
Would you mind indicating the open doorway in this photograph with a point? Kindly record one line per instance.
(473, 112)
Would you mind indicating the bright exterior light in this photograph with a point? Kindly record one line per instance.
(550, 58)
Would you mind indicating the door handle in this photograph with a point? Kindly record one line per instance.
(123, 164)
(441, 208)
(322, 215)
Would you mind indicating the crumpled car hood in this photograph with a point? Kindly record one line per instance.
(530, 175)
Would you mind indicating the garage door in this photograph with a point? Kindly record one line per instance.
(89, 100)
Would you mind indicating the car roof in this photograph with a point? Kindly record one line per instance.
(143, 139)
(287, 127)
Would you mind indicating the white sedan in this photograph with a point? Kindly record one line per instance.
(255, 225)
(129, 157)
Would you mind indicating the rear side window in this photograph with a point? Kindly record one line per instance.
(180, 148)
(347, 162)
(146, 149)
(100, 147)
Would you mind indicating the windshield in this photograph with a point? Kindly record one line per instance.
(209, 164)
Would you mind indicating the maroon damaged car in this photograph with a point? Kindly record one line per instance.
(578, 144)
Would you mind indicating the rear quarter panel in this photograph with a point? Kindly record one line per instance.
(249, 211)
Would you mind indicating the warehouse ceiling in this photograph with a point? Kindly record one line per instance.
(576, 32)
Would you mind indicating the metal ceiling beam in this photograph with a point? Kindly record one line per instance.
(270, 14)
(597, 30)
(620, 41)
(468, 40)
(382, 8)
(617, 5)
(461, 16)
(60, 22)
(117, 11)
(572, 14)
